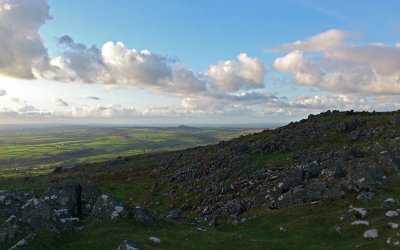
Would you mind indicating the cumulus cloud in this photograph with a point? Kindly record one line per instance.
(3, 92)
(327, 61)
(231, 76)
(295, 62)
(24, 111)
(21, 46)
(23, 54)
(116, 64)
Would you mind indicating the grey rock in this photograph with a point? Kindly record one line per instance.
(155, 240)
(389, 202)
(393, 241)
(177, 216)
(391, 213)
(107, 208)
(360, 222)
(371, 234)
(129, 245)
(142, 215)
(10, 228)
(365, 197)
(24, 241)
(65, 195)
(39, 215)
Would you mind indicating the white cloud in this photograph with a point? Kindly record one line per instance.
(231, 76)
(340, 67)
(325, 41)
(21, 46)
(23, 54)
(110, 111)
(295, 62)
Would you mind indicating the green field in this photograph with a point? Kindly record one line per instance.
(38, 151)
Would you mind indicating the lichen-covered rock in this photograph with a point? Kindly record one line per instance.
(39, 215)
(107, 208)
(12, 201)
(142, 215)
(65, 195)
(129, 245)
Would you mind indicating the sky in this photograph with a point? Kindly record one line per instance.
(195, 62)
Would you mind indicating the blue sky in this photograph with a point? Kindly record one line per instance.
(346, 57)
(202, 32)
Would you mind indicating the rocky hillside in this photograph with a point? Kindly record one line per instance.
(323, 157)
(335, 159)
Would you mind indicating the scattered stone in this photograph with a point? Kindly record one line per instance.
(365, 197)
(360, 222)
(282, 229)
(391, 214)
(371, 234)
(177, 215)
(393, 225)
(155, 240)
(129, 245)
(69, 220)
(338, 229)
(389, 202)
(24, 241)
(360, 212)
(393, 241)
(202, 230)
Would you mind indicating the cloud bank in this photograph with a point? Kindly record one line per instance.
(328, 62)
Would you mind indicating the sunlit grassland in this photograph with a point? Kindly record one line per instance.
(40, 150)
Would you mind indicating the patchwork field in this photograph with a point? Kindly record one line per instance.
(35, 151)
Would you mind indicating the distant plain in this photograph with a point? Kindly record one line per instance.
(32, 151)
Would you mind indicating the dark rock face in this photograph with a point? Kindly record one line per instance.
(65, 195)
(90, 193)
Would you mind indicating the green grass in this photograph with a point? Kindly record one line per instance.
(307, 227)
(38, 151)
